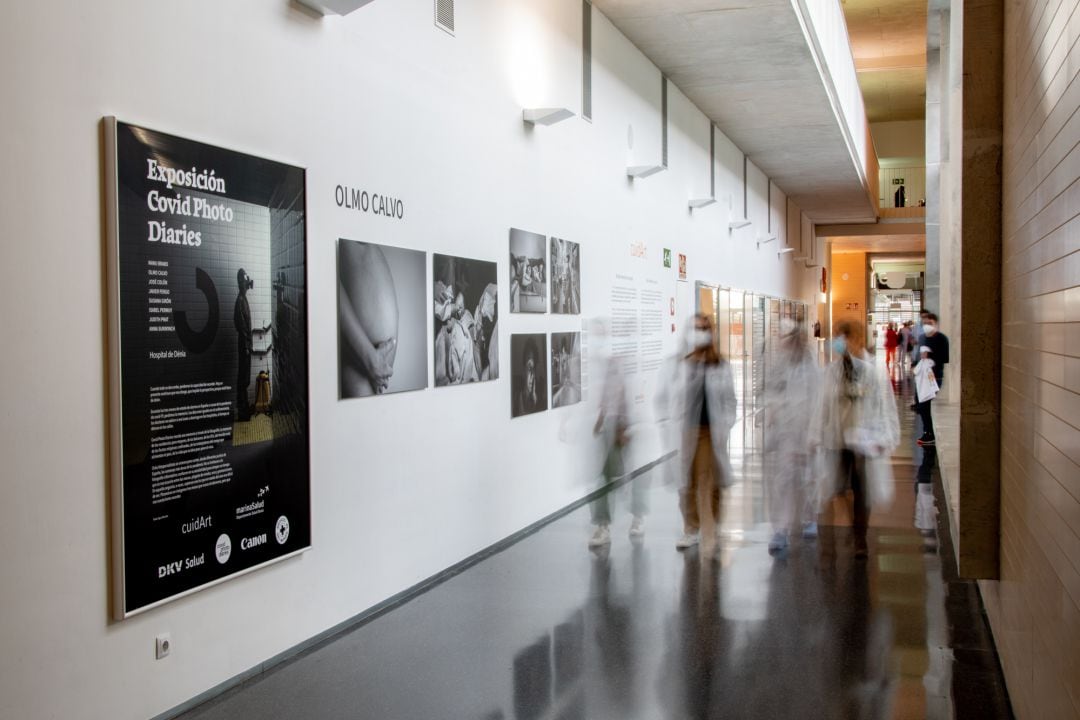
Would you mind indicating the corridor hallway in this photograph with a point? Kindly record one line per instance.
(550, 630)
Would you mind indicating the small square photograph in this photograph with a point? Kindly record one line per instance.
(565, 369)
(565, 277)
(528, 381)
(382, 319)
(528, 272)
(466, 311)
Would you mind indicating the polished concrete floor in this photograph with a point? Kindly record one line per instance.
(551, 630)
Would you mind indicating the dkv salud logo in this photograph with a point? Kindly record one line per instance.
(281, 530)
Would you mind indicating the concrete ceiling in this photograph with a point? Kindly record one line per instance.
(888, 42)
(747, 65)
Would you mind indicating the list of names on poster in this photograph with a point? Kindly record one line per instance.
(160, 302)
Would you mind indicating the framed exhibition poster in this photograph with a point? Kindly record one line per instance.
(208, 360)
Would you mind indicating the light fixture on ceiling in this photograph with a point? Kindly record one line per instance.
(545, 116)
(765, 239)
(785, 251)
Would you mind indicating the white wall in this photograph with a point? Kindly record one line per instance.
(404, 485)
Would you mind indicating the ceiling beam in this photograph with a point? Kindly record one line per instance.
(894, 62)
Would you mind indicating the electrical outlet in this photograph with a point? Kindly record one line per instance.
(162, 645)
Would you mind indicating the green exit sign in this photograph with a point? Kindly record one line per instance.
(898, 181)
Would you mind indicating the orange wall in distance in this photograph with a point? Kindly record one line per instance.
(848, 296)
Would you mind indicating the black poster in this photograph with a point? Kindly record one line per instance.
(208, 310)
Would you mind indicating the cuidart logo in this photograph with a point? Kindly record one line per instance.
(223, 548)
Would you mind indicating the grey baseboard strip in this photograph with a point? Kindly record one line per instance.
(315, 642)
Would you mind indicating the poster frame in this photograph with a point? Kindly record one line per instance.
(114, 343)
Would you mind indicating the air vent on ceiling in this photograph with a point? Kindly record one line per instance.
(444, 15)
(586, 59)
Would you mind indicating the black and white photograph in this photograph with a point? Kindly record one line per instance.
(209, 357)
(466, 309)
(382, 319)
(528, 272)
(565, 277)
(565, 369)
(528, 384)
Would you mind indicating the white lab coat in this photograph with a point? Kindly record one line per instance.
(860, 417)
(713, 384)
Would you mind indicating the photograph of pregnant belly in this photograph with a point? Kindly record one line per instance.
(382, 319)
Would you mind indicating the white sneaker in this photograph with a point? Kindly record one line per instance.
(600, 536)
(637, 527)
(687, 540)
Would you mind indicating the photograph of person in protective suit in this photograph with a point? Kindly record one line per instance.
(242, 321)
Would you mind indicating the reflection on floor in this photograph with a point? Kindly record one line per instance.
(548, 630)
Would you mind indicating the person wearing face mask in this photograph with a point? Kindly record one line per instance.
(707, 389)
(939, 351)
(858, 430)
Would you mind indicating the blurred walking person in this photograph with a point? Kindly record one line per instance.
(792, 384)
(708, 413)
(858, 430)
(892, 341)
(613, 426)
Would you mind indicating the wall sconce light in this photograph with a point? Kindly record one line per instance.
(734, 223)
(785, 251)
(696, 203)
(643, 171)
(763, 240)
(334, 7)
(545, 116)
